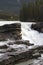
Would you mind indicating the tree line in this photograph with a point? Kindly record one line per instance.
(33, 11)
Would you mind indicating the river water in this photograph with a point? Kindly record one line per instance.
(32, 35)
(27, 34)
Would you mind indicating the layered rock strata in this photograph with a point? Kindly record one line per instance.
(38, 27)
(17, 53)
(10, 31)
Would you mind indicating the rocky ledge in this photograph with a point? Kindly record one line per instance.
(38, 27)
(18, 52)
(10, 31)
(26, 42)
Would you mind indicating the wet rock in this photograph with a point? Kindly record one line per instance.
(10, 43)
(36, 54)
(26, 42)
(11, 31)
(12, 56)
(38, 27)
(40, 48)
(4, 47)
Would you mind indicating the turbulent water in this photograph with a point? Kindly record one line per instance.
(32, 35)
(27, 34)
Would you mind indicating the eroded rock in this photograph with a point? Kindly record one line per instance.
(10, 31)
(38, 27)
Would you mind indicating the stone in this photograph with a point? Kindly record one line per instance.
(26, 42)
(4, 47)
(10, 31)
(38, 27)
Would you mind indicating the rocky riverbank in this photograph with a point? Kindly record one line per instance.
(38, 26)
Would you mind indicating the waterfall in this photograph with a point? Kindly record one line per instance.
(31, 35)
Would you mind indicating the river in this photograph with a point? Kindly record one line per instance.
(32, 35)
(28, 34)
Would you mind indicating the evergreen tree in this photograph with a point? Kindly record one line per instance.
(23, 13)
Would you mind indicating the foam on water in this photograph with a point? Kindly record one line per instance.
(31, 35)
(8, 22)
(27, 33)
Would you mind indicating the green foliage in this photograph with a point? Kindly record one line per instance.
(24, 13)
(32, 11)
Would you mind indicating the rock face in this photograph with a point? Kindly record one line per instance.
(13, 56)
(26, 42)
(3, 47)
(17, 50)
(38, 27)
(10, 31)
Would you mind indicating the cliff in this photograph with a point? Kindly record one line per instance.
(10, 31)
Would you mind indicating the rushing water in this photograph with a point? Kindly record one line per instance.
(27, 34)
(38, 61)
(32, 35)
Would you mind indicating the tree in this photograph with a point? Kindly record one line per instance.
(30, 10)
(39, 4)
(24, 13)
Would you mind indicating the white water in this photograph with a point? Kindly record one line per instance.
(27, 34)
(34, 37)
(31, 35)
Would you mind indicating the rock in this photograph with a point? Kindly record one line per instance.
(10, 31)
(12, 57)
(26, 42)
(8, 61)
(11, 50)
(36, 54)
(4, 47)
(40, 48)
(38, 27)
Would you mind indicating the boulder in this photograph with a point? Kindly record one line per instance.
(38, 27)
(10, 31)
